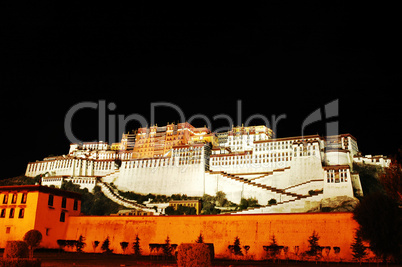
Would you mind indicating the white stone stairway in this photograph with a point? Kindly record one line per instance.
(290, 206)
(113, 194)
(258, 185)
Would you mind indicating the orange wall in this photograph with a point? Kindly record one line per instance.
(48, 217)
(334, 229)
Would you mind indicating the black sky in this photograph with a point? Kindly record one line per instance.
(275, 57)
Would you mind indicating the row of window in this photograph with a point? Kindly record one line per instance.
(60, 164)
(12, 213)
(189, 161)
(239, 162)
(14, 198)
(337, 177)
(187, 153)
(63, 202)
(21, 213)
(66, 164)
(176, 205)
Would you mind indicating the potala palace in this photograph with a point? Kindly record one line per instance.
(298, 172)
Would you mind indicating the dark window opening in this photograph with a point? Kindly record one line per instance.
(24, 198)
(50, 200)
(5, 199)
(62, 216)
(21, 214)
(14, 199)
(64, 202)
(11, 213)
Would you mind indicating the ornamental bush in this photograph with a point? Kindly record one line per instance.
(16, 249)
(32, 238)
(16, 254)
(194, 254)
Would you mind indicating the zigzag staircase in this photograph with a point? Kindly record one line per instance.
(113, 195)
(250, 182)
(285, 206)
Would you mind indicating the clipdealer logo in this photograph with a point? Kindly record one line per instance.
(108, 121)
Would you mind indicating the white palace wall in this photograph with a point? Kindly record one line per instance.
(71, 167)
(147, 176)
(187, 175)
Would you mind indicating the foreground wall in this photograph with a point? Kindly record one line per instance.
(334, 229)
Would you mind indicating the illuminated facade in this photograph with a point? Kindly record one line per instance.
(28, 207)
(159, 141)
(244, 162)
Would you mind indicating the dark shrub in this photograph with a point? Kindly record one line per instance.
(32, 238)
(16, 249)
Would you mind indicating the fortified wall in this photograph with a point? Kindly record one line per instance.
(291, 230)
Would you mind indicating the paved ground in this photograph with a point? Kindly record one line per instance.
(92, 259)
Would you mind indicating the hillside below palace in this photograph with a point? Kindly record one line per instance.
(245, 162)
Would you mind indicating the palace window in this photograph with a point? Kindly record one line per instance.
(50, 200)
(5, 199)
(21, 213)
(11, 213)
(75, 207)
(14, 199)
(64, 202)
(3, 213)
(62, 216)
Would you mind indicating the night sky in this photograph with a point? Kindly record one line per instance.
(275, 59)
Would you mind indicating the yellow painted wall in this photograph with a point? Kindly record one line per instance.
(18, 226)
(334, 229)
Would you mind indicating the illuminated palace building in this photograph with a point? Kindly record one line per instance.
(298, 172)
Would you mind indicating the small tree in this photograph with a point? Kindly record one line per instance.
(136, 246)
(358, 249)
(221, 200)
(200, 239)
(105, 246)
(124, 246)
(167, 248)
(272, 201)
(248, 203)
(236, 248)
(33, 239)
(314, 247)
(274, 249)
(80, 243)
